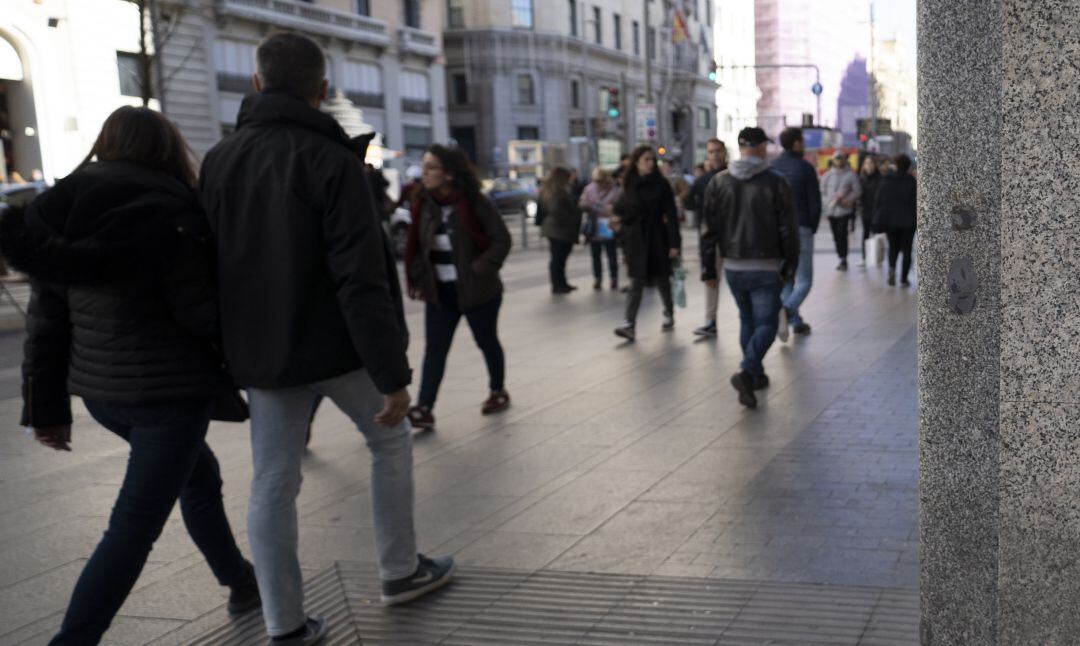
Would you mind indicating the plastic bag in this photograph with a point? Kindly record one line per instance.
(678, 283)
(875, 249)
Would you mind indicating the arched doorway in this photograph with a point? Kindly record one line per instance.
(20, 151)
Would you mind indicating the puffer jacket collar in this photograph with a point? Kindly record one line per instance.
(100, 224)
(271, 108)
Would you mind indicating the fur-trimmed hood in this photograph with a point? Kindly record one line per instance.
(108, 222)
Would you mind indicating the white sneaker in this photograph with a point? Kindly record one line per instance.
(783, 330)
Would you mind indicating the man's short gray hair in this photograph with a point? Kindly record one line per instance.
(291, 63)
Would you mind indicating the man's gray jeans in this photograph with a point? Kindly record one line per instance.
(279, 422)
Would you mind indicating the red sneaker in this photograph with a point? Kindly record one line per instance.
(496, 403)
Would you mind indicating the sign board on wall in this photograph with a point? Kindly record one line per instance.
(646, 121)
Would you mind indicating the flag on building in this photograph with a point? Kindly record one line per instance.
(680, 32)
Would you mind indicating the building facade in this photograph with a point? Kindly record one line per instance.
(64, 67)
(897, 90)
(572, 73)
(830, 35)
(383, 56)
(738, 94)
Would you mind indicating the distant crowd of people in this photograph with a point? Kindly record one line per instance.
(159, 291)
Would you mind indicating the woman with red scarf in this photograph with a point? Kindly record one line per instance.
(457, 244)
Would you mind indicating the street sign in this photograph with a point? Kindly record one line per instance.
(646, 121)
(817, 89)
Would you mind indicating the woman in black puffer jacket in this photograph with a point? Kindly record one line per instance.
(123, 313)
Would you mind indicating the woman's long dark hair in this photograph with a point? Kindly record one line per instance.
(144, 137)
(639, 152)
(557, 180)
(456, 163)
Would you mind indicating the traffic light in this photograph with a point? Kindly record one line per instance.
(661, 151)
(613, 103)
(712, 71)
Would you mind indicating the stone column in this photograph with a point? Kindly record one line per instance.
(999, 322)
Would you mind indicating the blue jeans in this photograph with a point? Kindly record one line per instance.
(757, 293)
(169, 459)
(796, 291)
(279, 422)
(440, 322)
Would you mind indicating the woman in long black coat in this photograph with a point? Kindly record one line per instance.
(648, 224)
(869, 179)
(896, 213)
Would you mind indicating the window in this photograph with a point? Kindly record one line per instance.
(363, 7)
(704, 118)
(528, 133)
(575, 94)
(461, 89)
(127, 67)
(637, 39)
(572, 5)
(618, 31)
(598, 27)
(417, 140)
(455, 13)
(235, 63)
(412, 13)
(415, 92)
(650, 43)
(521, 13)
(577, 127)
(525, 91)
(362, 84)
(708, 12)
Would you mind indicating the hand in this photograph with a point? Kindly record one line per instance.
(673, 253)
(416, 294)
(712, 283)
(54, 437)
(395, 407)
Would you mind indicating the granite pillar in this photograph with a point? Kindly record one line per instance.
(999, 322)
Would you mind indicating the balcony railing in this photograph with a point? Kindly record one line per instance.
(365, 99)
(292, 14)
(418, 106)
(418, 41)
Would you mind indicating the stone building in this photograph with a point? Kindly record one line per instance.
(385, 56)
(64, 67)
(545, 70)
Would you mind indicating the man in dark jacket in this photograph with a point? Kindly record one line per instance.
(307, 310)
(806, 193)
(715, 162)
(750, 222)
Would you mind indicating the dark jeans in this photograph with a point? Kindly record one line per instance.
(598, 251)
(900, 240)
(440, 322)
(757, 293)
(840, 229)
(169, 459)
(637, 286)
(560, 253)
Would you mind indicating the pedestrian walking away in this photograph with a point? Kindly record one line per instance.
(598, 202)
(457, 244)
(806, 195)
(715, 162)
(123, 313)
(896, 213)
(840, 191)
(307, 309)
(750, 220)
(561, 219)
(869, 181)
(648, 228)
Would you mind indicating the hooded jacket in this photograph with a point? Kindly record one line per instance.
(749, 215)
(306, 294)
(123, 305)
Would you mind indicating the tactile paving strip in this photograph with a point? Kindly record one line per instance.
(519, 608)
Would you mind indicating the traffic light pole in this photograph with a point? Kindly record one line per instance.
(817, 76)
(650, 49)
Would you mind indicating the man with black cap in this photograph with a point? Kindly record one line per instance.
(750, 221)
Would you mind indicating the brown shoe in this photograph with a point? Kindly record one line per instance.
(497, 403)
(420, 417)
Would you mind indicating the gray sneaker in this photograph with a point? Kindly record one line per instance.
(707, 330)
(783, 330)
(430, 574)
(315, 630)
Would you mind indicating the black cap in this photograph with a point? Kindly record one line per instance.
(750, 137)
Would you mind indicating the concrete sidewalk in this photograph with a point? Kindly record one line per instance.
(615, 459)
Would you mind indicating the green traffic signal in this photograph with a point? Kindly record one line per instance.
(613, 113)
(712, 76)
